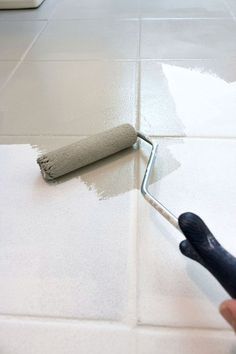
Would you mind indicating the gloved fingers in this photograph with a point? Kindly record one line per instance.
(188, 251)
(197, 233)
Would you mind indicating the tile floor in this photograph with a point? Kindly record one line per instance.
(86, 265)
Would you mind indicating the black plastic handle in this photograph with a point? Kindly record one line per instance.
(201, 246)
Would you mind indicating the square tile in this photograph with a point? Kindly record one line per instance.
(64, 337)
(68, 252)
(43, 12)
(75, 98)
(188, 39)
(183, 9)
(16, 37)
(87, 39)
(190, 176)
(193, 98)
(5, 70)
(73, 9)
(185, 342)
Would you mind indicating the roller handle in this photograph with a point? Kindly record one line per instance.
(201, 246)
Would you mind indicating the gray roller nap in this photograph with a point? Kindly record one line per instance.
(86, 151)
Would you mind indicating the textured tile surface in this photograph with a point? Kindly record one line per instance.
(52, 261)
(87, 39)
(191, 176)
(62, 98)
(193, 98)
(183, 8)
(16, 37)
(188, 39)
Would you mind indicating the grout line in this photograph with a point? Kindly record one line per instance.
(138, 92)
(23, 56)
(34, 40)
(109, 323)
(22, 20)
(182, 328)
(131, 312)
(118, 18)
(43, 136)
(186, 18)
(137, 191)
(85, 135)
(95, 60)
(192, 137)
(58, 319)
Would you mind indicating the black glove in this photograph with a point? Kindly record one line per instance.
(201, 246)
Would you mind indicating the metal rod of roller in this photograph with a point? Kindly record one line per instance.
(145, 184)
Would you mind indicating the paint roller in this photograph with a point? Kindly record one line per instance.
(200, 244)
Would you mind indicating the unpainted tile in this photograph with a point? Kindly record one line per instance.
(188, 39)
(87, 39)
(183, 9)
(16, 37)
(68, 98)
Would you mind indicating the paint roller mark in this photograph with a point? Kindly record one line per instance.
(158, 106)
(117, 174)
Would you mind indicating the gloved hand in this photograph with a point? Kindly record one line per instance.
(201, 246)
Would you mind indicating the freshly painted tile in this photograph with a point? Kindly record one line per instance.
(87, 39)
(185, 342)
(72, 9)
(67, 252)
(173, 290)
(5, 70)
(193, 98)
(43, 12)
(183, 9)
(76, 98)
(16, 37)
(27, 337)
(188, 39)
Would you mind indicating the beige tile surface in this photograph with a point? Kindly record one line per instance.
(191, 176)
(188, 39)
(52, 261)
(73, 9)
(183, 9)
(16, 37)
(75, 98)
(87, 39)
(193, 98)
